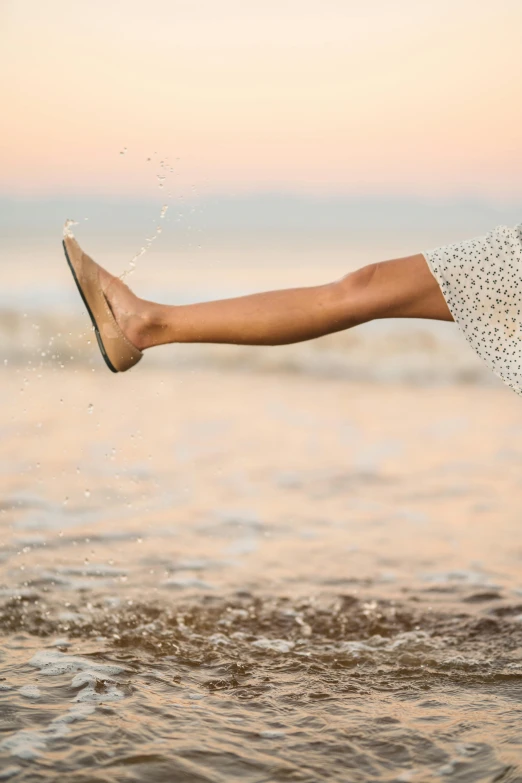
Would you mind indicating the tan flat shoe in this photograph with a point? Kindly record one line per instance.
(119, 353)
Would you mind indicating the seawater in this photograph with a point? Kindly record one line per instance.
(212, 575)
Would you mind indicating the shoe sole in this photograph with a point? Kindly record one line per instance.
(108, 362)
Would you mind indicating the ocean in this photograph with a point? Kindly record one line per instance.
(252, 564)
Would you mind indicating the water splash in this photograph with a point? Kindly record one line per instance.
(67, 227)
(161, 179)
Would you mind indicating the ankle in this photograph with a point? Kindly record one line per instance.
(152, 326)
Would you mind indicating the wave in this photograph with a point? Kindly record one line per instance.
(378, 636)
(419, 352)
(251, 687)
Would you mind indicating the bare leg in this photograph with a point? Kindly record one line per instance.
(400, 288)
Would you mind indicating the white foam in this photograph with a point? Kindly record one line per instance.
(28, 744)
(411, 640)
(93, 569)
(219, 638)
(277, 645)
(30, 692)
(468, 577)
(89, 682)
(53, 662)
(408, 641)
(25, 744)
(187, 583)
(5, 774)
(355, 648)
(271, 734)
(109, 693)
(75, 713)
(83, 678)
(61, 642)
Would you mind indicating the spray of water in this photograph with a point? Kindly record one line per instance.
(161, 181)
(67, 232)
(161, 178)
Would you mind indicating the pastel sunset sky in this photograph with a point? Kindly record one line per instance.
(315, 96)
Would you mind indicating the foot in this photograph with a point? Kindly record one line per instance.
(136, 317)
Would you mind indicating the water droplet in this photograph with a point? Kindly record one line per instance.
(67, 227)
(87, 493)
(164, 210)
(90, 408)
(123, 151)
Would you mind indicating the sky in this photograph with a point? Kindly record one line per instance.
(320, 97)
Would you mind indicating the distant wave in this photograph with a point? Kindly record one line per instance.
(419, 352)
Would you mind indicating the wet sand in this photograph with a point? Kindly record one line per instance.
(213, 576)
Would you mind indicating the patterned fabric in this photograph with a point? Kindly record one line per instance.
(481, 281)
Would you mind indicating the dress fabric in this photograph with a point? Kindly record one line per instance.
(481, 281)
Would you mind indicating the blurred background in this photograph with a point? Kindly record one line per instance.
(290, 141)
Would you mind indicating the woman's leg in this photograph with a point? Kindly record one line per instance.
(400, 288)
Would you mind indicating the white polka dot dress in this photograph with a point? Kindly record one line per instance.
(481, 281)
